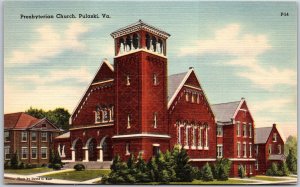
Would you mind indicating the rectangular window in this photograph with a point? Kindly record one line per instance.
(34, 153)
(200, 138)
(194, 136)
(250, 169)
(186, 136)
(238, 129)
(270, 148)
(97, 116)
(127, 80)
(250, 150)
(187, 97)
(44, 152)
(275, 137)
(128, 121)
(245, 150)
(198, 99)
(156, 150)
(7, 136)
(193, 98)
(219, 151)
(44, 136)
(250, 131)
(127, 149)
(256, 150)
(238, 149)
(155, 82)
(244, 130)
(24, 152)
(33, 136)
(155, 120)
(245, 167)
(24, 136)
(256, 165)
(219, 131)
(179, 135)
(6, 153)
(279, 149)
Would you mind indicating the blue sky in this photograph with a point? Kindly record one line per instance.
(238, 49)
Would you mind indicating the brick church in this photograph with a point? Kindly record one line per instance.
(133, 107)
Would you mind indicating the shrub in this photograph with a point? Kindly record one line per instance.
(28, 166)
(184, 171)
(7, 165)
(273, 170)
(284, 169)
(291, 161)
(50, 165)
(21, 166)
(79, 167)
(206, 173)
(14, 161)
(197, 174)
(241, 172)
(56, 166)
(221, 169)
(44, 165)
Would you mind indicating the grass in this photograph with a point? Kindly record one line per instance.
(268, 178)
(27, 171)
(229, 181)
(79, 175)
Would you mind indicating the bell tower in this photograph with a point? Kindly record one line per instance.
(140, 64)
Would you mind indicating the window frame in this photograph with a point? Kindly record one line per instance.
(24, 134)
(42, 136)
(245, 149)
(33, 132)
(238, 129)
(128, 121)
(6, 152)
(44, 148)
(274, 137)
(219, 131)
(7, 137)
(238, 149)
(244, 130)
(36, 154)
(220, 151)
(24, 151)
(127, 148)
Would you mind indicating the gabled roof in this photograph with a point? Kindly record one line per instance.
(65, 135)
(138, 26)
(19, 120)
(224, 112)
(104, 62)
(174, 82)
(262, 134)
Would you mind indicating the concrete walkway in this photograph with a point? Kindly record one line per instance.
(258, 181)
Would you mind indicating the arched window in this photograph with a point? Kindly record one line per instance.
(128, 121)
(128, 43)
(148, 41)
(154, 41)
(160, 49)
(136, 41)
(127, 80)
(155, 82)
(122, 46)
(155, 120)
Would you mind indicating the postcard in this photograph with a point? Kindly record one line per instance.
(150, 92)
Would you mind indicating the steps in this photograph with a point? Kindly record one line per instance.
(89, 165)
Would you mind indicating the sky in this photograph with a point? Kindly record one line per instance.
(238, 49)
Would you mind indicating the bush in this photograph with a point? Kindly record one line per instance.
(79, 167)
(21, 166)
(273, 170)
(283, 168)
(7, 165)
(206, 173)
(291, 161)
(184, 171)
(28, 166)
(45, 165)
(14, 161)
(56, 166)
(241, 172)
(221, 169)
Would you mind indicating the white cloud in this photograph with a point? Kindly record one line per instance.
(245, 48)
(79, 75)
(50, 43)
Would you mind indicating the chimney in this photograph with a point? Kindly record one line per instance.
(274, 125)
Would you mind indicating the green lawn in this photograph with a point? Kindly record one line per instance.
(268, 178)
(79, 175)
(229, 181)
(27, 171)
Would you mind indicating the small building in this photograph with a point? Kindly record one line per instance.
(29, 137)
(235, 135)
(269, 147)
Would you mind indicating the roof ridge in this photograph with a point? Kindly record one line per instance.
(226, 102)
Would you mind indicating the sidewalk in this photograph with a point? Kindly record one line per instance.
(41, 178)
(257, 181)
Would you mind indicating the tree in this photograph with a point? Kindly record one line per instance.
(142, 174)
(170, 165)
(184, 171)
(284, 170)
(59, 116)
(152, 169)
(273, 170)
(291, 160)
(221, 169)
(119, 173)
(14, 161)
(206, 173)
(291, 142)
(241, 171)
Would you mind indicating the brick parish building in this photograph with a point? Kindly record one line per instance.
(133, 107)
(269, 147)
(29, 137)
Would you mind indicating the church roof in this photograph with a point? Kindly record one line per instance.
(62, 136)
(262, 134)
(19, 120)
(224, 112)
(174, 82)
(138, 26)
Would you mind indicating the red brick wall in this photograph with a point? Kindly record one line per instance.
(196, 113)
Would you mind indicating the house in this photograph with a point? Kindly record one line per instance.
(235, 135)
(269, 147)
(29, 137)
